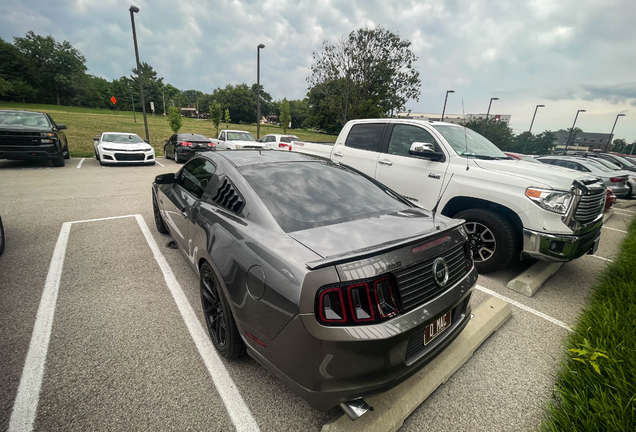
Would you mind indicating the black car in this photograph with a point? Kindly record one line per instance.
(335, 283)
(183, 146)
(29, 135)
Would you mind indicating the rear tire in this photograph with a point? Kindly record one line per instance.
(159, 223)
(492, 238)
(218, 316)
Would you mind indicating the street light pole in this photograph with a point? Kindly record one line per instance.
(133, 103)
(163, 97)
(133, 10)
(535, 114)
(487, 114)
(567, 143)
(612, 132)
(346, 110)
(258, 90)
(445, 99)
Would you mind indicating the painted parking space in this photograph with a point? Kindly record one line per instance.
(109, 263)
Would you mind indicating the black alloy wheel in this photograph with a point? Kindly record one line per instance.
(218, 316)
(159, 223)
(491, 237)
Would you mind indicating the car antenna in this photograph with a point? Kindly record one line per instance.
(441, 194)
(465, 139)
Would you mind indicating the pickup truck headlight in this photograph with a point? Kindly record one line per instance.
(551, 200)
(239, 146)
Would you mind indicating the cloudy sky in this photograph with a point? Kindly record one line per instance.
(565, 54)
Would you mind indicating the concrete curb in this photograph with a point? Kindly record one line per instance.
(625, 204)
(391, 408)
(607, 215)
(530, 281)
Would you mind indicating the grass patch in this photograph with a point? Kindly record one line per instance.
(84, 123)
(596, 384)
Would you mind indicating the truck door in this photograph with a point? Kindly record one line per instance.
(360, 150)
(417, 178)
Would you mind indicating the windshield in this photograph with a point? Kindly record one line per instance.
(607, 163)
(19, 118)
(192, 137)
(625, 161)
(324, 194)
(599, 166)
(240, 136)
(468, 143)
(122, 138)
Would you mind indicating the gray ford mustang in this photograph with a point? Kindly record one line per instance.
(330, 280)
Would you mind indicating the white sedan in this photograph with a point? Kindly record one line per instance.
(122, 148)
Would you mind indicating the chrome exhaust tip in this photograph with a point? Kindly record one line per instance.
(355, 408)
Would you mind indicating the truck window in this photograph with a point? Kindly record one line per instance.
(404, 135)
(365, 136)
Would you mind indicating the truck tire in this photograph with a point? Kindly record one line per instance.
(66, 153)
(492, 238)
(58, 161)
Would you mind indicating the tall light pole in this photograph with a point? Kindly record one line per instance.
(258, 90)
(346, 110)
(163, 97)
(133, 103)
(567, 143)
(488, 112)
(133, 10)
(535, 114)
(612, 132)
(445, 99)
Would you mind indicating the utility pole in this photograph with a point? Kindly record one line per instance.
(133, 10)
(163, 96)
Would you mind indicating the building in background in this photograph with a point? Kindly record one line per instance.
(452, 118)
(585, 141)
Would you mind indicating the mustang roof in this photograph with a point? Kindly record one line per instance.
(253, 157)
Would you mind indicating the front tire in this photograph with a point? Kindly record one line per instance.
(66, 153)
(492, 239)
(59, 161)
(159, 223)
(218, 316)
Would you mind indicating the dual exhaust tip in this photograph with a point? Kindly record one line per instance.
(356, 408)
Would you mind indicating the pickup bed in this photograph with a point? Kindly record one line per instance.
(512, 208)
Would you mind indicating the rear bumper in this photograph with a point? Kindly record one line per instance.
(621, 191)
(48, 151)
(559, 248)
(187, 153)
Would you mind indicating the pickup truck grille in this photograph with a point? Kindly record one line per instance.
(589, 207)
(416, 285)
(22, 141)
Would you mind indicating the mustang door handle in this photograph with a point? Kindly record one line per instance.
(385, 162)
(339, 154)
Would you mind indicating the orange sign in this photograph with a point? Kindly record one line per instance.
(113, 100)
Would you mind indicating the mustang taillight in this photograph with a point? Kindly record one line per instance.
(185, 144)
(357, 303)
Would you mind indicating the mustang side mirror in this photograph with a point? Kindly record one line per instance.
(165, 178)
(426, 150)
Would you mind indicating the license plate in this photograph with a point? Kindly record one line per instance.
(437, 327)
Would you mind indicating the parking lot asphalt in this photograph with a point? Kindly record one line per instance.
(121, 357)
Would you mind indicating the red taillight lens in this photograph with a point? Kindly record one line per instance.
(367, 302)
(211, 145)
(185, 144)
(616, 179)
(282, 145)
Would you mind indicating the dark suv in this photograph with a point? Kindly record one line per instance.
(26, 135)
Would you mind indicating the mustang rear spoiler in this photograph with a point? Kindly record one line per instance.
(373, 250)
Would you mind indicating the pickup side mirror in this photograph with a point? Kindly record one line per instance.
(426, 150)
(61, 127)
(97, 138)
(165, 178)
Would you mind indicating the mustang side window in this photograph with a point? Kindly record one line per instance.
(195, 175)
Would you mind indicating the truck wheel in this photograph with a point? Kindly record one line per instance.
(59, 161)
(492, 239)
(66, 153)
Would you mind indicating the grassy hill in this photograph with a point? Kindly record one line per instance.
(84, 123)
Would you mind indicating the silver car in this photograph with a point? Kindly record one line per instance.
(616, 181)
(631, 176)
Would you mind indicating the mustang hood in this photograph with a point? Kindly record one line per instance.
(371, 233)
(539, 174)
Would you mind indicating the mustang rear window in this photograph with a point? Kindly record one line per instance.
(303, 195)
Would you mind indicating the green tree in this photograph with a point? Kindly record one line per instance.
(299, 110)
(285, 116)
(174, 119)
(241, 100)
(527, 143)
(153, 87)
(227, 119)
(54, 66)
(15, 76)
(375, 65)
(216, 115)
(497, 132)
(619, 145)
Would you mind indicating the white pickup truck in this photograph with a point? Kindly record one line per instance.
(236, 139)
(512, 208)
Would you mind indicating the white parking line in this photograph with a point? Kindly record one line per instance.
(624, 210)
(26, 401)
(160, 163)
(525, 308)
(28, 396)
(601, 258)
(614, 229)
(79, 165)
(623, 214)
